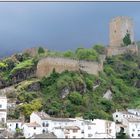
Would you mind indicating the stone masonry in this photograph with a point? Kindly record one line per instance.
(119, 27)
(46, 65)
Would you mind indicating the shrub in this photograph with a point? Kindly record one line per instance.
(41, 50)
(75, 98)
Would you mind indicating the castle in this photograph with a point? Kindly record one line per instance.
(119, 27)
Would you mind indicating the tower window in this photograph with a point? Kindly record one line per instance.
(115, 31)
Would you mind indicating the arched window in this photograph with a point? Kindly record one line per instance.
(43, 131)
(43, 124)
(47, 124)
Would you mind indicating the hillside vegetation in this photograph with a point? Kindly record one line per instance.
(71, 94)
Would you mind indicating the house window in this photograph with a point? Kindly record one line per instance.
(138, 135)
(116, 115)
(90, 135)
(89, 127)
(43, 131)
(74, 130)
(66, 137)
(132, 135)
(16, 125)
(43, 124)
(74, 137)
(136, 125)
(2, 119)
(34, 127)
(133, 130)
(0, 106)
(10, 124)
(47, 124)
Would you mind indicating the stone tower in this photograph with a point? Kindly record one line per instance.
(119, 27)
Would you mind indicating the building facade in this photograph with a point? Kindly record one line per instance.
(3, 109)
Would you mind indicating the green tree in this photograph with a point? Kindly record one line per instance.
(99, 49)
(75, 98)
(41, 50)
(86, 54)
(28, 108)
(69, 54)
(127, 39)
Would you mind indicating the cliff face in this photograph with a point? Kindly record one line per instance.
(23, 75)
(46, 65)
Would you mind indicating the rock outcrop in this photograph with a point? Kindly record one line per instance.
(22, 75)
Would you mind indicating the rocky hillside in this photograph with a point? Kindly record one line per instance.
(70, 94)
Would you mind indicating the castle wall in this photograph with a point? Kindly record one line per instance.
(121, 50)
(46, 65)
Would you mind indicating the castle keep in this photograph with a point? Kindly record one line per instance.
(119, 27)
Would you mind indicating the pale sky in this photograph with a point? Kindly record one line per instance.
(60, 25)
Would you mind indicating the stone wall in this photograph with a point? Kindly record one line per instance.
(46, 65)
(120, 50)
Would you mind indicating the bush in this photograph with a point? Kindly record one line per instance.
(99, 49)
(27, 64)
(41, 50)
(87, 54)
(127, 39)
(75, 98)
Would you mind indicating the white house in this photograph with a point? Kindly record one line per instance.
(12, 125)
(119, 116)
(99, 129)
(133, 127)
(105, 129)
(89, 129)
(72, 132)
(47, 123)
(3, 109)
(68, 132)
(129, 121)
(30, 129)
(64, 127)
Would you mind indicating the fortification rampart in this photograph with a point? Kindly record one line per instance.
(46, 65)
(120, 50)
